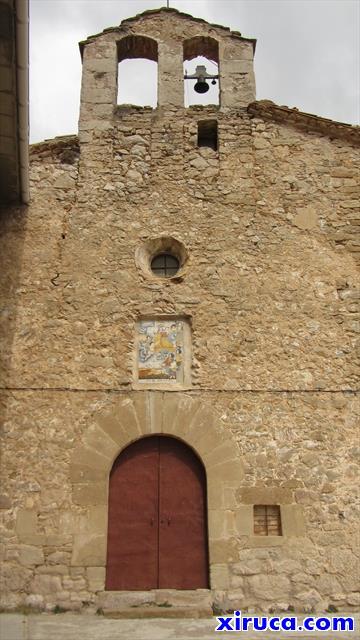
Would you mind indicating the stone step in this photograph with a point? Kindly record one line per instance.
(157, 603)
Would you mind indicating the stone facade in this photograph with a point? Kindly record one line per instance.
(268, 225)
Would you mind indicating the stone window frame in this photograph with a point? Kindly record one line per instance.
(153, 247)
(166, 385)
(291, 515)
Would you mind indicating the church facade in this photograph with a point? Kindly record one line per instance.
(179, 337)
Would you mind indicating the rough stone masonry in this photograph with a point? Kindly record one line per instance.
(267, 226)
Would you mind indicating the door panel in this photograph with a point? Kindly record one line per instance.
(183, 558)
(132, 554)
(157, 531)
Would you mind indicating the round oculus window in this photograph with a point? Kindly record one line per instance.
(165, 265)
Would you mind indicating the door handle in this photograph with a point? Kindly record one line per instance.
(152, 522)
(165, 519)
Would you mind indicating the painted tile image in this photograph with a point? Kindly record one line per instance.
(160, 349)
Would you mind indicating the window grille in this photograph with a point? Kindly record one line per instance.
(267, 520)
(165, 265)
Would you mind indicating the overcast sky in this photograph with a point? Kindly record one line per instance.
(307, 53)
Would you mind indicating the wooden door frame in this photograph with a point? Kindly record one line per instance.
(130, 416)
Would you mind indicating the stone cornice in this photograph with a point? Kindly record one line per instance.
(164, 10)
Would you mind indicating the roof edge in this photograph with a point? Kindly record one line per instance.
(268, 110)
(180, 14)
(56, 145)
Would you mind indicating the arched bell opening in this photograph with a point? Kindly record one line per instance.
(201, 71)
(157, 517)
(137, 71)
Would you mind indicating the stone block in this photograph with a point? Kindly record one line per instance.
(96, 578)
(268, 587)
(179, 413)
(118, 600)
(171, 405)
(64, 182)
(58, 540)
(110, 424)
(53, 570)
(36, 602)
(264, 495)
(89, 551)
(45, 585)
(154, 421)
(97, 519)
(215, 494)
(59, 557)
(95, 573)
(219, 454)
(251, 566)
(244, 520)
(5, 502)
(29, 556)
(306, 218)
(74, 584)
(216, 524)
(33, 539)
(90, 493)
(231, 67)
(77, 571)
(223, 551)
(266, 541)
(102, 65)
(142, 410)
(230, 471)
(26, 522)
(13, 577)
(292, 520)
(204, 439)
(127, 414)
(82, 473)
(70, 522)
(98, 95)
(95, 438)
(219, 576)
(85, 457)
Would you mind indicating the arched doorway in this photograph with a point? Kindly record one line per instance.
(157, 525)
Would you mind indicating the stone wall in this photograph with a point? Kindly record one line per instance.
(268, 227)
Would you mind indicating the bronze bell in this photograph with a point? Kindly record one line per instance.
(201, 86)
(201, 76)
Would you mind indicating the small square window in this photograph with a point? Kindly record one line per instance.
(267, 520)
(208, 134)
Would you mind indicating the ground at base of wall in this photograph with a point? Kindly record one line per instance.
(69, 626)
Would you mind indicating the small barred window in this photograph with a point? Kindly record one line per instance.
(267, 520)
(165, 265)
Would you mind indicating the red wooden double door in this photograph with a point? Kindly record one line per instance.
(157, 528)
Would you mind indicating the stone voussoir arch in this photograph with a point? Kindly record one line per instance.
(138, 414)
